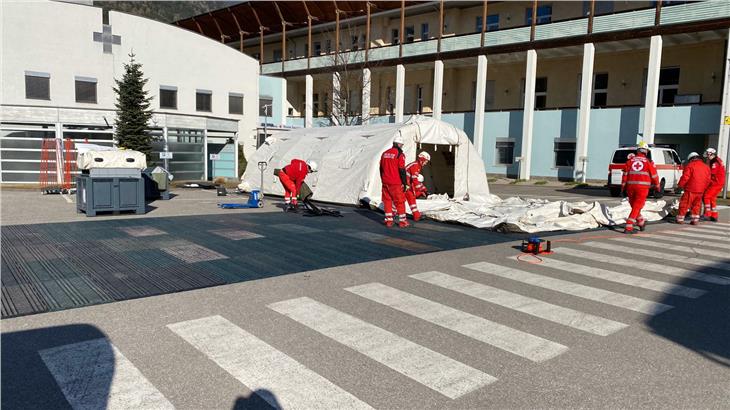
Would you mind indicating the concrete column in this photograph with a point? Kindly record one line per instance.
(308, 96)
(284, 104)
(336, 99)
(586, 93)
(205, 154)
(652, 88)
(59, 153)
(400, 86)
(365, 103)
(438, 88)
(235, 155)
(528, 114)
(723, 141)
(479, 103)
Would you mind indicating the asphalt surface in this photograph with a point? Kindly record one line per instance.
(582, 328)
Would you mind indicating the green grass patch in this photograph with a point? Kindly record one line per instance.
(518, 181)
(542, 182)
(492, 180)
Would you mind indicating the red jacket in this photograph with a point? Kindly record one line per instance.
(717, 173)
(640, 171)
(695, 177)
(413, 170)
(296, 171)
(393, 167)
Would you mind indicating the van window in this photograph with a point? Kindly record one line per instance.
(621, 155)
(668, 157)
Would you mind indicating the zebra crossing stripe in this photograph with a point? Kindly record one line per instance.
(646, 266)
(261, 367)
(709, 230)
(621, 278)
(695, 242)
(570, 288)
(705, 263)
(543, 310)
(698, 235)
(94, 374)
(432, 369)
(678, 248)
(522, 344)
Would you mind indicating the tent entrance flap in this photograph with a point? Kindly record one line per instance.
(438, 175)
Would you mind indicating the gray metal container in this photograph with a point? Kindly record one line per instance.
(115, 194)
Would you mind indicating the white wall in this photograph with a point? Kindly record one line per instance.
(57, 38)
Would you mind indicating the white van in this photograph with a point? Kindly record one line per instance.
(666, 160)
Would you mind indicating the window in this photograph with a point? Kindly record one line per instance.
(488, 95)
(315, 105)
(86, 90)
(317, 48)
(277, 55)
(37, 86)
(265, 106)
(424, 31)
(168, 97)
(355, 42)
(306, 50)
(326, 104)
(328, 46)
(419, 99)
(203, 100)
(600, 89)
(668, 85)
(389, 99)
(601, 7)
(235, 103)
(564, 153)
(541, 92)
(492, 23)
(504, 152)
(410, 34)
(395, 35)
(544, 14)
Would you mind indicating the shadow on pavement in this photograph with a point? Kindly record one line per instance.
(701, 324)
(27, 382)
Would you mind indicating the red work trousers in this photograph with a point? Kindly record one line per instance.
(690, 201)
(710, 200)
(411, 199)
(290, 189)
(393, 193)
(637, 198)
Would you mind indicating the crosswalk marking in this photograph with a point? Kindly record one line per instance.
(432, 369)
(695, 242)
(503, 337)
(554, 313)
(94, 374)
(659, 255)
(709, 230)
(570, 288)
(647, 266)
(666, 246)
(259, 366)
(698, 235)
(622, 278)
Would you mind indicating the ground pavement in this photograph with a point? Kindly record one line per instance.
(439, 316)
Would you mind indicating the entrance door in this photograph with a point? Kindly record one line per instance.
(221, 161)
(438, 175)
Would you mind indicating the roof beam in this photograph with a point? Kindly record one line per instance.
(218, 26)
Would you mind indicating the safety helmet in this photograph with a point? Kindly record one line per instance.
(643, 147)
(710, 151)
(425, 155)
(692, 155)
(420, 178)
(398, 139)
(312, 165)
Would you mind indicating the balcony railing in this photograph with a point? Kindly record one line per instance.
(676, 14)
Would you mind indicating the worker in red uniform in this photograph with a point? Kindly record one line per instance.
(638, 178)
(695, 180)
(717, 176)
(393, 176)
(416, 188)
(291, 177)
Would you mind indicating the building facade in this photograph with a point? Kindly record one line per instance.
(544, 89)
(59, 63)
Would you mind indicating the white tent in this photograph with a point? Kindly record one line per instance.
(349, 160)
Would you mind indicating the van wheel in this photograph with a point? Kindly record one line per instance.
(615, 191)
(660, 193)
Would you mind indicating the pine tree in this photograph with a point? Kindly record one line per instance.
(133, 109)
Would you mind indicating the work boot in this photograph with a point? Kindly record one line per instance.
(642, 227)
(713, 219)
(416, 216)
(695, 222)
(629, 231)
(388, 224)
(403, 224)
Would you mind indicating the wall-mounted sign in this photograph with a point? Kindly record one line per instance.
(215, 157)
(165, 155)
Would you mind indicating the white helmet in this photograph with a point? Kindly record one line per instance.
(312, 165)
(420, 178)
(692, 155)
(425, 155)
(710, 151)
(398, 139)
